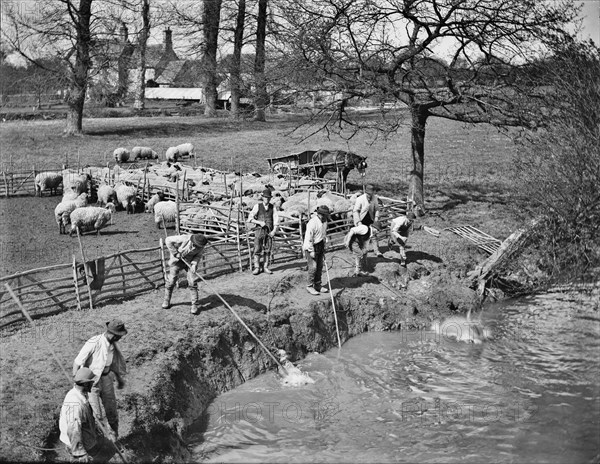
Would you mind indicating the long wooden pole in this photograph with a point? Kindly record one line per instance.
(337, 329)
(87, 280)
(162, 260)
(69, 379)
(76, 283)
(210, 287)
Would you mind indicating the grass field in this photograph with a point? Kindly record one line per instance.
(473, 158)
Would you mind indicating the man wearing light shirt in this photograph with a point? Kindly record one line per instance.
(314, 248)
(102, 356)
(366, 212)
(77, 425)
(399, 229)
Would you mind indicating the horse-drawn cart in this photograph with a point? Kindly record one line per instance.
(318, 163)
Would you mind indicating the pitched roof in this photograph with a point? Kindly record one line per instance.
(169, 74)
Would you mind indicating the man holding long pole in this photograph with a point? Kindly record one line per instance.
(314, 249)
(189, 248)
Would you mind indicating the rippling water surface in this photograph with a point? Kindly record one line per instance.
(531, 394)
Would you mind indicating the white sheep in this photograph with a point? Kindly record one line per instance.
(143, 153)
(165, 210)
(47, 181)
(159, 196)
(78, 183)
(91, 217)
(121, 155)
(172, 154)
(126, 197)
(106, 194)
(69, 195)
(185, 150)
(64, 209)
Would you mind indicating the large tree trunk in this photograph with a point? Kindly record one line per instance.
(81, 68)
(417, 135)
(140, 90)
(261, 99)
(211, 18)
(234, 72)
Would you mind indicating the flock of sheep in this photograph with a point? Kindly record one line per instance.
(204, 186)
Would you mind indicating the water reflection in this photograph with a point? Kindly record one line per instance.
(531, 394)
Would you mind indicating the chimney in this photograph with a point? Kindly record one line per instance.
(123, 33)
(168, 40)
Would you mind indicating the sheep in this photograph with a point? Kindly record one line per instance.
(78, 183)
(64, 209)
(159, 196)
(69, 195)
(185, 150)
(106, 194)
(47, 181)
(165, 210)
(121, 155)
(126, 197)
(172, 154)
(143, 153)
(91, 217)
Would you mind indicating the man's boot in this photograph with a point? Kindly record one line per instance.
(194, 299)
(256, 264)
(267, 264)
(166, 304)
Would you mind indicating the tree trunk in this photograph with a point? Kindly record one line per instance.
(261, 99)
(140, 99)
(81, 69)
(234, 72)
(211, 17)
(417, 135)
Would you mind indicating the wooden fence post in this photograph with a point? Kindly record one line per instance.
(87, 280)
(177, 207)
(239, 247)
(76, 283)
(162, 260)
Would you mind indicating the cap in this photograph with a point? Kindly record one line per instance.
(410, 215)
(361, 229)
(324, 210)
(267, 193)
(84, 375)
(116, 327)
(369, 188)
(199, 240)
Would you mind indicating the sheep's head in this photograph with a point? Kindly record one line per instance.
(111, 207)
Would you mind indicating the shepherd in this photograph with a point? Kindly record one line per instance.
(78, 430)
(399, 229)
(314, 249)
(265, 216)
(190, 248)
(102, 356)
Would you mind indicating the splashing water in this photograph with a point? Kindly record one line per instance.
(462, 329)
(294, 377)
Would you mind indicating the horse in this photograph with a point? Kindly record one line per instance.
(342, 161)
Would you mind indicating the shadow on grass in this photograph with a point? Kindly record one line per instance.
(418, 256)
(213, 301)
(462, 193)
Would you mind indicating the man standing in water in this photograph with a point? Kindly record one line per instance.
(314, 248)
(102, 356)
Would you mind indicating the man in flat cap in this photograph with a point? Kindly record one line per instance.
(264, 215)
(102, 356)
(366, 212)
(78, 429)
(315, 238)
(188, 248)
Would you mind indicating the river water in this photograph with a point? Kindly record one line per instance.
(530, 394)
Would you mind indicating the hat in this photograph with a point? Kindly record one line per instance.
(199, 240)
(410, 215)
(116, 327)
(361, 230)
(266, 193)
(324, 210)
(84, 375)
(369, 188)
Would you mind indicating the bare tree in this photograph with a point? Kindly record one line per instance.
(235, 70)
(211, 15)
(140, 87)
(261, 99)
(378, 49)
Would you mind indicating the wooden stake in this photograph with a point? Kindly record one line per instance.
(87, 280)
(177, 207)
(239, 246)
(144, 186)
(162, 260)
(337, 329)
(76, 283)
(123, 275)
